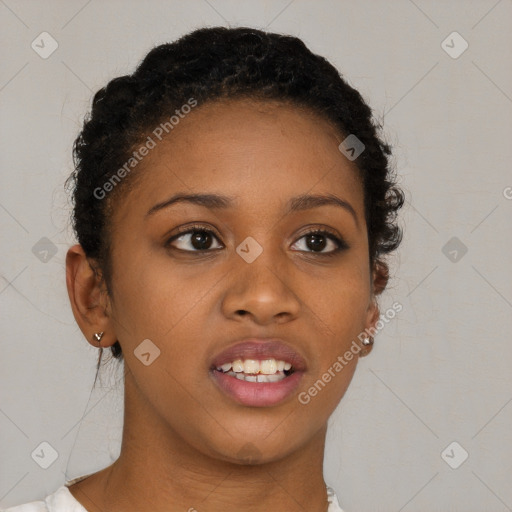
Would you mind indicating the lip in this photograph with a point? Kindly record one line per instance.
(258, 394)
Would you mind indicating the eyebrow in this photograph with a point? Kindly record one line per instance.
(219, 202)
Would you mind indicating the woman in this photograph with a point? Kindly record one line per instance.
(233, 205)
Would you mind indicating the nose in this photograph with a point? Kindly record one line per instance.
(260, 291)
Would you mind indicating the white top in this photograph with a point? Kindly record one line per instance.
(63, 501)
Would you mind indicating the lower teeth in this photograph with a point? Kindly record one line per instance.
(276, 377)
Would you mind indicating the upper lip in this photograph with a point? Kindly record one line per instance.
(254, 348)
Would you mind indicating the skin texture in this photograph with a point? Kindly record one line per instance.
(183, 439)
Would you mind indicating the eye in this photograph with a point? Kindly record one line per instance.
(199, 237)
(318, 239)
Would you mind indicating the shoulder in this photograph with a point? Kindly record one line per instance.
(33, 506)
(59, 501)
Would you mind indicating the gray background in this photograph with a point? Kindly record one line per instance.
(440, 371)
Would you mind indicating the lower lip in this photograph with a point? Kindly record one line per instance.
(257, 394)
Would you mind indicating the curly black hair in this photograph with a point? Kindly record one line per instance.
(209, 64)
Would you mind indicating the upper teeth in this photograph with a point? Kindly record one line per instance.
(267, 366)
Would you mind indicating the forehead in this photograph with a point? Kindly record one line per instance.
(234, 128)
(254, 149)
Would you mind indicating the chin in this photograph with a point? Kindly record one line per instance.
(247, 450)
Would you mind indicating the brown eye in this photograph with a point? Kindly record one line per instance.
(318, 240)
(198, 238)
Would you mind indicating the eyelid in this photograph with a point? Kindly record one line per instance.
(182, 230)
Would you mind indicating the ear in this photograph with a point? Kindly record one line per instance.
(380, 277)
(89, 300)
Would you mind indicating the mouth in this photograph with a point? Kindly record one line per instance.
(252, 370)
(258, 373)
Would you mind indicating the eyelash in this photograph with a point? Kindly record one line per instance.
(341, 244)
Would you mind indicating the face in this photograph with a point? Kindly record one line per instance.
(196, 279)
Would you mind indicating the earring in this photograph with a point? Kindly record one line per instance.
(98, 336)
(367, 346)
(368, 341)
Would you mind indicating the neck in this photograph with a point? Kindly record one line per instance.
(158, 470)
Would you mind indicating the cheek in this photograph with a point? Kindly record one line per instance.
(324, 390)
(340, 298)
(152, 296)
(338, 310)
